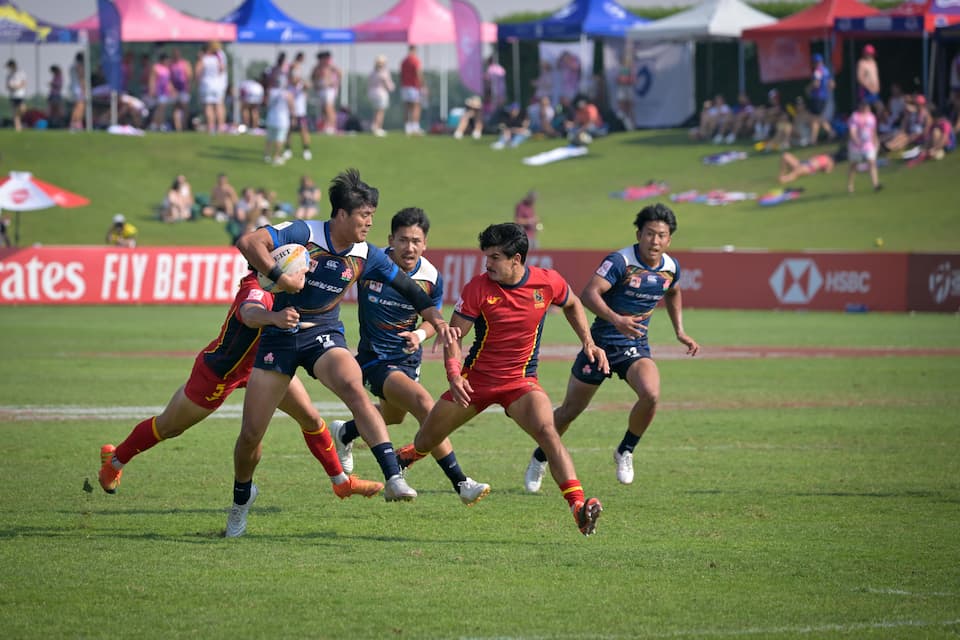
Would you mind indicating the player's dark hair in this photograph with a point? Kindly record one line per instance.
(410, 217)
(349, 192)
(658, 212)
(509, 237)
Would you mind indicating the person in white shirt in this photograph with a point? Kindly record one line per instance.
(17, 87)
(279, 108)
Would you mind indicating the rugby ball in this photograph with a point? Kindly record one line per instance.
(291, 258)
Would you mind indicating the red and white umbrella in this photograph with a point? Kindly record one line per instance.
(20, 191)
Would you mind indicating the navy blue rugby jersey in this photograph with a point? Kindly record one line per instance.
(331, 274)
(635, 290)
(384, 312)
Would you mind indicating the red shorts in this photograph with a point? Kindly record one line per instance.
(208, 390)
(488, 391)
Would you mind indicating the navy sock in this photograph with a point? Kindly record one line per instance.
(452, 468)
(241, 491)
(349, 433)
(387, 459)
(539, 455)
(628, 443)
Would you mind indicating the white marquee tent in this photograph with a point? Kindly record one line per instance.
(710, 20)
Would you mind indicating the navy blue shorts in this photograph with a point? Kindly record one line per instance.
(816, 105)
(620, 358)
(376, 371)
(283, 352)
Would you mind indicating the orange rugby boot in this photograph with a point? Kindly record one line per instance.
(355, 486)
(109, 477)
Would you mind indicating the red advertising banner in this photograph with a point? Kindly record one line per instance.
(934, 282)
(808, 280)
(719, 280)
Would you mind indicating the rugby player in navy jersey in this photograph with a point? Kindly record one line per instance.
(390, 350)
(339, 256)
(223, 366)
(622, 293)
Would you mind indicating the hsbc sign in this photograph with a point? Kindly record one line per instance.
(798, 280)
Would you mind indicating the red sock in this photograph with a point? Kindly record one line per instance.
(321, 446)
(572, 491)
(143, 436)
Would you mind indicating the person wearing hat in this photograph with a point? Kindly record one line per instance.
(121, 233)
(821, 86)
(868, 76)
(472, 118)
(17, 87)
(379, 86)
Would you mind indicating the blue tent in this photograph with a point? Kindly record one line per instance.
(16, 25)
(596, 18)
(262, 21)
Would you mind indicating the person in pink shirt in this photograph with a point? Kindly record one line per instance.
(181, 77)
(161, 91)
(862, 144)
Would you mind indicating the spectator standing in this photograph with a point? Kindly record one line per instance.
(55, 111)
(78, 91)
(862, 144)
(161, 92)
(181, 77)
(411, 91)
(326, 78)
(279, 107)
(121, 233)
(494, 88)
(298, 121)
(209, 73)
(819, 92)
(4, 231)
(379, 87)
(17, 87)
(525, 215)
(251, 99)
(868, 76)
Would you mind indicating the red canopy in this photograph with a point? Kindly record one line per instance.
(154, 21)
(416, 22)
(813, 23)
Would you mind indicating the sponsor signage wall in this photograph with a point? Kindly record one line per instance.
(720, 280)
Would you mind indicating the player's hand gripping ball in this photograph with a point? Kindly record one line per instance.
(291, 258)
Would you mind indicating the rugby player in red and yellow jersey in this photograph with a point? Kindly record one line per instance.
(507, 306)
(219, 369)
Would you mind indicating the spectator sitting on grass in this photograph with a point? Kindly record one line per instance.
(472, 118)
(178, 204)
(541, 114)
(121, 233)
(792, 167)
(586, 123)
(223, 200)
(514, 129)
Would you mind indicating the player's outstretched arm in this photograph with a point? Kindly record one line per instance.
(673, 301)
(573, 310)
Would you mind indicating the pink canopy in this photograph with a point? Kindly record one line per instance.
(416, 22)
(153, 21)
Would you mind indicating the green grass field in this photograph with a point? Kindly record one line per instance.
(801, 479)
(808, 496)
(464, 186)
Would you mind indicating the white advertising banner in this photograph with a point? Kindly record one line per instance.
(663, 92)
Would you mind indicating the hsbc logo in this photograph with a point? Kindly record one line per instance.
(796, 281)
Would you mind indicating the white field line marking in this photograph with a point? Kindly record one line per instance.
(754, 631)
(915, 594)
(19, 413)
